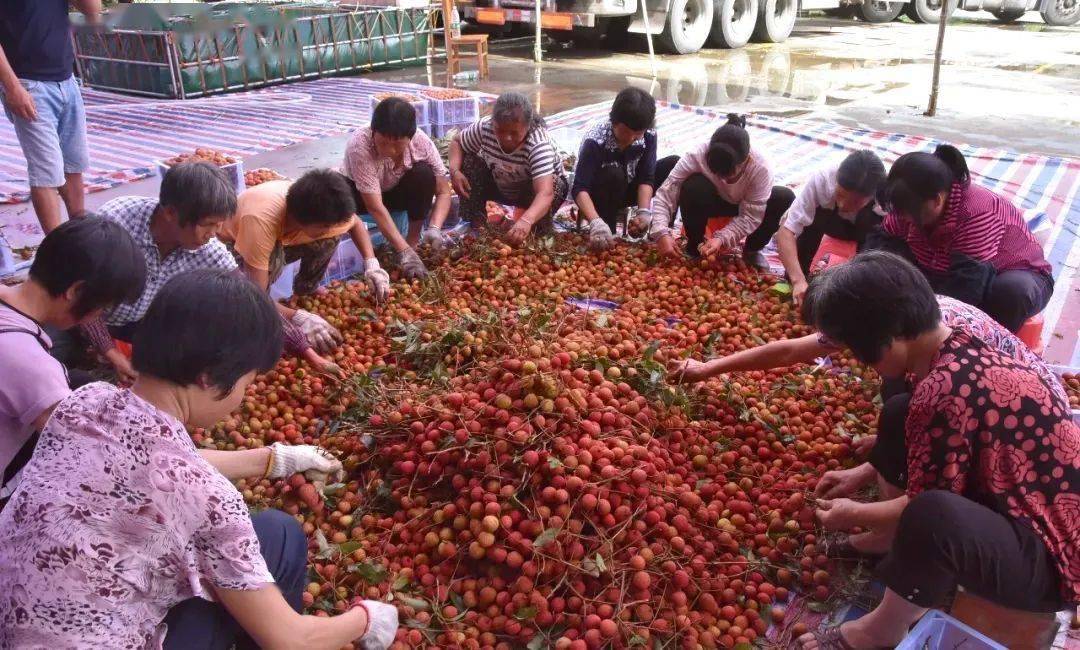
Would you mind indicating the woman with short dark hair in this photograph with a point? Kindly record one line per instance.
(392, 165)
(971, 243)
(509, 158)
(616, 163)
(838, 201)
(723, 177)
(81, 268)
(993, 460)
(121, 534)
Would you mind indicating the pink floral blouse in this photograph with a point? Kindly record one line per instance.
(117, 519)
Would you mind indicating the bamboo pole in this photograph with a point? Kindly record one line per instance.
(538, 54)
(648, 38)
(931, 110)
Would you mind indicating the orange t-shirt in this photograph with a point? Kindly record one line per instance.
(259, 225)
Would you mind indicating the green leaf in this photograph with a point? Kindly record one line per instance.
(400, 583)
(589, 567)
(743, 646)
(600, 563)
(554, 463)
(781, 289)
(372, 573)
(650, 351)
(819, 607)
(420, 625)
(526, 613)
(636, 641)
(348, 547)
(418, 604)
(546, 537)
(538, 642)
(325, 551)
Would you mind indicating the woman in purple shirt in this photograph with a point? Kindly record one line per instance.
(122, 535)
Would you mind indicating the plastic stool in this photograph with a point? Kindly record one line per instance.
(832, 252)
(713, 225)
(123, 346)
(1031, 333)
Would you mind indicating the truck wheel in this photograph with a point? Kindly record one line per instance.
(927, 11)
(876, 11)
(734, 22)
(1006, 16)
(776, 19)
(687, 26)
(1061, 13)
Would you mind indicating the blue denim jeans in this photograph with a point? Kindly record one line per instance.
(55, 143)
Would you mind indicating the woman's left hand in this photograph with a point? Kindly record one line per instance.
(517, 233)
(838, 514)
(711, 247)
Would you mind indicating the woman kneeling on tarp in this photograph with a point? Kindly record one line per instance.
(993, 460)
(123, 535)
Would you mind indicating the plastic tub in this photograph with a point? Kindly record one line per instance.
(462, 110)
(938, 631)
(419, 104)
(235, 172)
(1067, 370)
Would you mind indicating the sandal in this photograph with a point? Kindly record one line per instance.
(831, 639)
(838, 546)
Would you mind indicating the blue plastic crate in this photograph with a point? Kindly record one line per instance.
(939, 631)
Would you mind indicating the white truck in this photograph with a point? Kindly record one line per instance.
(685, 26)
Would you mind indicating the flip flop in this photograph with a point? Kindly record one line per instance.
(838, 546)
(831, 639)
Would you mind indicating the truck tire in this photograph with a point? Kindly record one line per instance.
(687, 26)
(1061, 13)
(733, 23)
(927, 11)
(876, 11)
(776, 19)
(1006, 16)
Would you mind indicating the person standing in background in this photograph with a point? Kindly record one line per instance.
(43, 102)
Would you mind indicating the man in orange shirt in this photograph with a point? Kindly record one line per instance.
(280, 222)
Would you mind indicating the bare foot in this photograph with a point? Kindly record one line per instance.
(853, 635)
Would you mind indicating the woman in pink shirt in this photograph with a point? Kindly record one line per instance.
(721, 178)
(123, 535)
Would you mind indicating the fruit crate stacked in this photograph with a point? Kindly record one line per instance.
(420, 104)
(231, 165)
(450, 109)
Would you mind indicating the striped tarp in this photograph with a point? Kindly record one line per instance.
(1046, 187)
(127, 135)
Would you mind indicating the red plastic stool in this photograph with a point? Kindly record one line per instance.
(1031, 333)
(123, 346)
(832, 252)
(713, 225)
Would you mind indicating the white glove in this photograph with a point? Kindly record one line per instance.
(378, 280)
(290, 459)
(433, 237)
(321, 335)
(411, 264)
(382, 625)
(600, 237)
(640, 222)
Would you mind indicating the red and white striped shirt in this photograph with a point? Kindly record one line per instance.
(977, 223)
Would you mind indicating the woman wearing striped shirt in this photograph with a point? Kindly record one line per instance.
(971, 243)
(508, 158)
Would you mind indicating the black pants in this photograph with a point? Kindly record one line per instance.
(197, 623)
(945, 540)
(413, 193)
(889, 455)
(829, 222)
(611, 192)
(1015, 296)
(699, 202)
(482, 185)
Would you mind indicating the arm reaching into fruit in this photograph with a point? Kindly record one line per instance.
(272, 623)
(457, 178)
(785, 244)
(544, 194)
(777, 354)
(276, 461)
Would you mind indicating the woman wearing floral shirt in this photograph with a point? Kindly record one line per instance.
(993, 460)
(121, 532)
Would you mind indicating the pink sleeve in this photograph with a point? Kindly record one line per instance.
(430, 154)
(227, 551)
(41, 382)
(359, 165)
(666, 200)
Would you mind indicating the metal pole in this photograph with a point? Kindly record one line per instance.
(648, 38)
(537, 50)
(931, 110)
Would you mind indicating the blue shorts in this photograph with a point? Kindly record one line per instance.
(55, 143)
(401, 220)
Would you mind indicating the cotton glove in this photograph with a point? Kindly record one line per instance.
(313, 462)
(321, 335)
(412, 265)
(599, 235)
(382, 625)
(433, 237)
(640, 222)
(378, 280)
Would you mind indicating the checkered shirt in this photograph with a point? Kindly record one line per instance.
(133, 213)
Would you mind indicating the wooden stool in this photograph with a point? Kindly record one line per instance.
(1011, 628)
(468, 45)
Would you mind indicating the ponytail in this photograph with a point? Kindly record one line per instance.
(952, 157)
(729, 146)
(917, 177)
